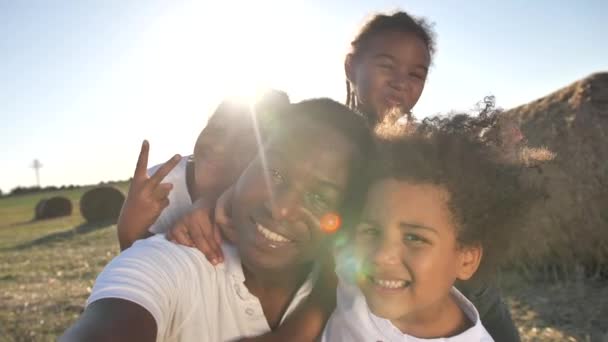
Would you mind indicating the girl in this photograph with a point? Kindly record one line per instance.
(223, 149)
(442, 207)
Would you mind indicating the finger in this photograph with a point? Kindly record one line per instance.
(164, 170)
(142, 161)
(201, 232)
(164, 202)
(181, 236)
(162, 191)
(217, 236)
(202, 244)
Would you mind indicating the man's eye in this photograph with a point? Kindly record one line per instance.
(276, 177)
(317, 202)
(386, 66)
(368, 231)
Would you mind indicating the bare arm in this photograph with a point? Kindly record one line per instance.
(112, 319)
(308, 321)
(145, 201)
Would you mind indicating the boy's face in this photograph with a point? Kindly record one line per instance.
(390, 73)
(224, 148)
(281, 196)
(406, 245)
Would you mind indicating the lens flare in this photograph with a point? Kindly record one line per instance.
(330, 222)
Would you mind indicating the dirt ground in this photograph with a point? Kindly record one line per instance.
(565, 311)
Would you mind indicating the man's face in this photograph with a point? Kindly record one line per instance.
(279, 199)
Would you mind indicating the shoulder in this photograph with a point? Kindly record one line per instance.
(162, 277)
(152, 267)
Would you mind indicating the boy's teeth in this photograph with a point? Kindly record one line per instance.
(270, 235)
(390, 284)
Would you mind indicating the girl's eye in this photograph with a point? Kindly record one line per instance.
(386, 66)
(417, 76)
(413, 238)
(277, 178)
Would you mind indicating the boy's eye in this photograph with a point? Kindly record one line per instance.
(413, 238)
(276, 177)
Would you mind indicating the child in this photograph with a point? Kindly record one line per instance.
(223, 149)
(388, 64)
(157, 290)
(442, 207)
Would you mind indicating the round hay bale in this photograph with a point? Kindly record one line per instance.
(567, 232)
(101, 204)
(57, 206)
(38, 210)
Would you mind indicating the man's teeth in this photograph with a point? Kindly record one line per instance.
(391, 284)
(270, 235)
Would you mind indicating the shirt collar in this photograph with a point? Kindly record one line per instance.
(474, 333)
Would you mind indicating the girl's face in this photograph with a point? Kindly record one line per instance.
(407, 246)
(224, 148)
(390, 73)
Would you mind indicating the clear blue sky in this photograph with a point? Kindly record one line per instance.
(83, 82)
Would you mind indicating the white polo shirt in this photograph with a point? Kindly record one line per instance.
(353, 320)
(180, 202)
(190, 299)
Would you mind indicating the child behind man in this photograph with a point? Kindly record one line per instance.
(223, 149)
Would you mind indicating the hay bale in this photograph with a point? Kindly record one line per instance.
(57, 206)
(568, 230)
(101, 204)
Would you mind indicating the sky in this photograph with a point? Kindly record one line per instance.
(83, 82)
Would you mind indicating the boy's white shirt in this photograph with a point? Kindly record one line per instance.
(190, 299)
(353, 320)
(180, 201)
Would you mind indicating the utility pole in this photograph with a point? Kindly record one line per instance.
(37, 165)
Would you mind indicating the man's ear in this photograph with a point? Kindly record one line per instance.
(349, 68)
(469, 260)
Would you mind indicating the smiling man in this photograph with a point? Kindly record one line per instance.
(160, 291)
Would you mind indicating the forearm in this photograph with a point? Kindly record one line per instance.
(110, 320)
(129, 231)
(305, 325)
(308, 321)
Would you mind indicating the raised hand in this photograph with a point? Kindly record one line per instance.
(146, 199)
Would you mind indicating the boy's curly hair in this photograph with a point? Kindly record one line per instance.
(462, 153)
